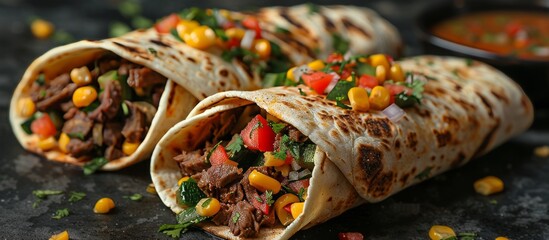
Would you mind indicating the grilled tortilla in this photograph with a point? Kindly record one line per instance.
(195, 74)
(361, 158)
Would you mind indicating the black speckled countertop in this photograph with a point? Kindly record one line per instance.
(520, 212)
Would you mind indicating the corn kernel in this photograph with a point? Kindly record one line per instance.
(262, 47)
(488, 185)
(207, 209)
(396, 74)
(201, 37)
(129, 148)
(103, 205)
(26, 107)
(47, 144)
(60, 236)
(379, 98)
(285, 217)
(316, 65)
(185, 27)
(502, 238)
(181, 180)
(290, 74)
(542, 151)
(64, 140)
(359, 99)
(272, 161)
(225, 13)
(381, 74)
(379, 59)
(439, 232)
(41, 29)
(297, 209)
(84, 96)
(151, 189)
(81, 76)
(263, 182)
(237, 33)
(284, 170)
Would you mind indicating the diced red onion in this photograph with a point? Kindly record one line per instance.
(333, 83)
(248, 39)
(394, 112)
(298, 71)
(293, 176)
(221, 20)
(347, 56)
(304, 173)
(295, 165)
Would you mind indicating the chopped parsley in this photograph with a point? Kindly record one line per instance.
(313, 8)
(134, 197)
(301, 92)
(235, 217)
(340, 44)
(41, 80)
(258, 199)
(76, 196)
(284, 143)
(153, 51)
(269, 197)
(185, 219)
(424, 174)
(342, 105)
(277, 127)
(94, 165)
(235, 145)
(61, 213)
(43, 194)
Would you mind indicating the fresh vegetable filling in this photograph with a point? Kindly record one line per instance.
(97, 112)
(254, 176)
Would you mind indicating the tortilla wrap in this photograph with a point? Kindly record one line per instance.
(193, 74)
(466, 111)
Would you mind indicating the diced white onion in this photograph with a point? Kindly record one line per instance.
(333, 83)
(293, 176)
(295, 165)
(298, 71)
(347, 56)
(409, 79)
(394, 112)
(248, 39)
(541, 51)
(304, 173)
(221, 20)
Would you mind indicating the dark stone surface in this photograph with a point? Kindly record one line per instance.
(520, 212)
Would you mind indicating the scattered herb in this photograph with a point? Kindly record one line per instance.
(277, 127)
(424, 174)
(276, 79)
(301, 92)
(141, 22)
(467, 236)
(153, 51)
(469, 62)
(42, 93)
(61, 213)
(493, 201)
(129, 8)
(235, 145)
(206, 203)
(174, 230)
(41, 79)
(221, 34)
(27, 123)
(259, 199)
(236, 216)
(364, 68)
(125, 109)
(211, 151)
(134, 197)
(174, 33)
(43, 194)
(117, 29)
(246, 55)
(185, 219)
(76, 196)
(284, 143)
(257, 125)
(300, 194)
(339, 44)
(91, 107)
(342, 105)
(340, 91)
(280, 29)
(36, 203)
(269, 197)
(313, 8)
(94, 165)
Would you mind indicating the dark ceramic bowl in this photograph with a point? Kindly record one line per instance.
(532, 75)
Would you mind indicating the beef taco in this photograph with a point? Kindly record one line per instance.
(267, 163)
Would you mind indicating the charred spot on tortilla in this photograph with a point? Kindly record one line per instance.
(460, 158)
(411, 140)
(379, 127)
(224, 72)
(381, 184)
(134, 50)
(160, 43)
(397, 144)
(404, 178)
(328, 24)
(352, 27)
(451, 121)
(370, 161)
(487, 139)
(443, 137)
(500, 96)
(284, 14)
(486, 104)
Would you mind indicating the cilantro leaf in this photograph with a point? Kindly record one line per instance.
(173, 230)
(341, 104)
(78, 135)
(235, 145)
(41, 80)
(340, 44)
(174, 33)
(301, 92)
(134, 197)
(153, 51)
(269, 197)
(221, 34)
(76, 196)
(277, 127)
(281, 152)
(61, 213)
(43, 194)
(340, 91)
(94, 165)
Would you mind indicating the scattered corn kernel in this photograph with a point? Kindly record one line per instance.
(262, 47)
(396, 74)
(84, 96)
(316, 65)
(379, 59)
(129, 148)
(359, 99)
(290, 74)
(81, 76)
(263, 182)
(379, 98)
(26, 107)
(151, 189)
(381, 74)
(502, 238)
(284, 170)
(64, 140)
(439, 232)
(237, 33)
(272, 161)
(225, 13)
(103, 205)
(488, 185)
(285, 217)
(297, 209)
(181, 180)
(41, 29)
(47, 144)
(542, 151)
(185, 27)
(207, 207)
(201, 37)
(60, 236)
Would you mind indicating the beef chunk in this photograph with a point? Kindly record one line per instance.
(295, 134)
(191, 163)
(112, 153)
(125, 68)
(217, 177)
(56, 91)
(79, 125)
(110, 100)
(78, 148)
(112, 135)
(69, 114)
(135, 127)
(245, 225)
(268, 220)
(224, 215)
(144, 77)
(67, 106)
(231, 194)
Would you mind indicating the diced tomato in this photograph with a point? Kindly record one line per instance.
(288, 208)
(317, 80)
(334, 57)
(367, 81)
(296, 186)
(219, 156)
(389, 58)
(252, 23)
(289, 158)
(167, 24)
(513, 28)
(258, 135)
(350, 236)
(233, 42)
(43, 126)
(396, 89)
(261, 205)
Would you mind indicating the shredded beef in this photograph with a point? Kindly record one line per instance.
(191, 163)
(296, 135)
(224, 215)
(144, 77)
(112, 135)
(135, 127)
(79, 125)
(217, 177)
(245, 224)
(110, 99)
(112, 153)
(78, 148)
(67, 106)
(107, 63)
(70, 113)
(57, 91)
(231, 194)
(125, 67)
